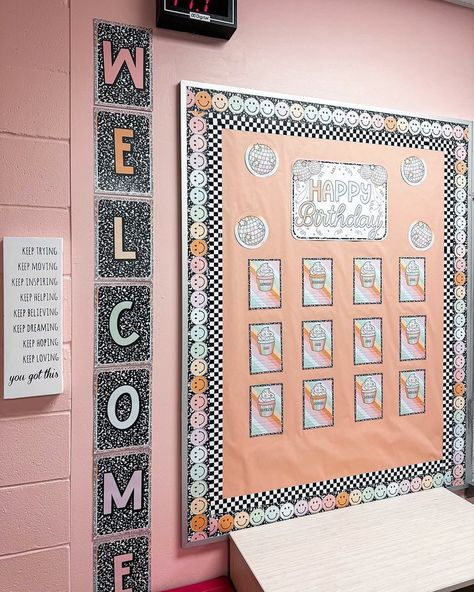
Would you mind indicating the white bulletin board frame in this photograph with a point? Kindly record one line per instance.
(213, 508)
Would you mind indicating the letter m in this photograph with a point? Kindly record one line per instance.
(112, 492)
(124, 58)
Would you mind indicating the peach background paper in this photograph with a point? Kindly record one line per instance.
(300, 456)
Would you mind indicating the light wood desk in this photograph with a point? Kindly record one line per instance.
(422, 542)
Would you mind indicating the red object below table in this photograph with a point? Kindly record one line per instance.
(217, 585)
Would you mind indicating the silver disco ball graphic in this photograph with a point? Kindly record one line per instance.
(251, 231)
(261, 160)
(413, 170)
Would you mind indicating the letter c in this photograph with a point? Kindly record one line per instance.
(113, 325)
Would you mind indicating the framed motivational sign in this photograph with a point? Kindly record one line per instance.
(326, 306)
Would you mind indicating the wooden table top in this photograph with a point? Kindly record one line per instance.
(421, 542)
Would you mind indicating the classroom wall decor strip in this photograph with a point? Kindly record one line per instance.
(123, 218)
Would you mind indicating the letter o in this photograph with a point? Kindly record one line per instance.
(112, 407)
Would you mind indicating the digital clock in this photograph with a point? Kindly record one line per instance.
(215, 18)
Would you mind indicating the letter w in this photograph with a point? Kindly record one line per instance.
(124, 57)
(112, 492)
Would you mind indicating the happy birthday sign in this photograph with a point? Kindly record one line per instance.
(333, 200)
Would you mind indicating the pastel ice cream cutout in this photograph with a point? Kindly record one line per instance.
(266, 403)
(413, 332)
(369, 390)
(318, 396)
(367, 334)
(266, 341)
(265, 277)
(412, 273)
(317, 276)
(317, 338)
(367, 275)
(412, 386)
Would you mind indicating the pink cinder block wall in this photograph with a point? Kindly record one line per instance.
(414, 55)
(35, 201)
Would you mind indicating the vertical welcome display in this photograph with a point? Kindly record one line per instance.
(325, 308)
(123, 307)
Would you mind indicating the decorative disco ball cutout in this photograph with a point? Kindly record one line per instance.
(251, 231)
(375, 173)
(420, 235)
(379, 175)
(261, 160)
(413, 170)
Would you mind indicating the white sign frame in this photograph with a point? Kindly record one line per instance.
(33, 317)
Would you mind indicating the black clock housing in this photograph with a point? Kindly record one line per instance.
(214, 18)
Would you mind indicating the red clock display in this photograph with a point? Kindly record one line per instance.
(217, 7)
(216, 18)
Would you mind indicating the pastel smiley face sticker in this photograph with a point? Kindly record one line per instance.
(458, 133)
(267, 108)
(301, 507)
(236, 104)
(220, 102)
(311, 113)
(203, 100)
(415, 484)
(447, 131)
(325, 115)
(287, 511)
(390, 123)
(189, 99)
(257, 517)
(198, 523)
(198, 367)
(198, 488)
(338, 116)
(425, 128)
(226, 523)
(402, 125)
(251, 106)
(198, 438)
(241, 520)
(392, 489)
(213, 526)
(352, 119)
(404, 487)
(380, 491)
(197, 143)
(198, 402)
(414, 126)
(365, 120)
(296, 112)
(198, 506)
(198, 419)
(368, 494)
(198, 161)
(329, 502)
(436, 129)
(377, 122)
(342, 499)
(355, 497)
(197, 125)
(427, 482)
(198, 471)
(315, 505)
(282, 109)
(272, 514)
(438, 480)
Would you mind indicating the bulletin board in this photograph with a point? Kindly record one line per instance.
(325, 306)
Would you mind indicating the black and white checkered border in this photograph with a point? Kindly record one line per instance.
(219, 121)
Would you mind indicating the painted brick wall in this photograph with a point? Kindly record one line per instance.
(35, 201)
